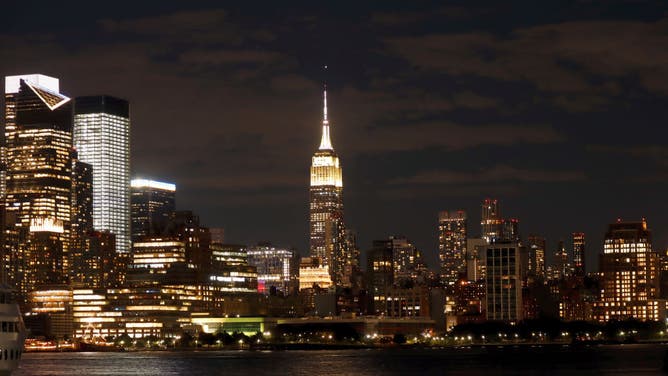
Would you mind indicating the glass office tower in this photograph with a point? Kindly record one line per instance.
(102, 139)
(38, 144)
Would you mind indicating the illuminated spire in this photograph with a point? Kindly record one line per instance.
(325, 143)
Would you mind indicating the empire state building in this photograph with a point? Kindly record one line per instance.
(326, 205)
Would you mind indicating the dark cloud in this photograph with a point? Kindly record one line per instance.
(209, 57)
(173, 23)
(448, 136)
(497, 174)
(431, 108)
(646, 153)
(562, 58)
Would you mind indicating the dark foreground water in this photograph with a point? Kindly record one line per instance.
(595, 360)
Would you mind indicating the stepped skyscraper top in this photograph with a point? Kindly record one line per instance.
(326, 167)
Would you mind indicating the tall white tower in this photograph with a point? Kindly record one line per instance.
(102, 139)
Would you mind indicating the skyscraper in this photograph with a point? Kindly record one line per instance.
(491, 222)
(452, 245)
(102, 139)
(536, 256)
(579, 253)
(562, 267)
(380, 273)
(326, 205)
(504, 282)
(82, 216)
(38, 135)
(152, 202)
(405, 258)
(630, 274)
(476, 251)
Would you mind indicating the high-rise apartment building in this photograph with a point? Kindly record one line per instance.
(380, 273)
(579, 253)
(536, 256)
(405, 257)
(562, 266)
(102, 139)
(630, 274)
(82, 215)
(326, 206)
(38, 145)
(504, 282)
(452, 245)
(491, 222)
(349, 269)
(476, 251)
(152, 203)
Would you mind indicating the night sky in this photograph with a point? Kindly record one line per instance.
(558, 109)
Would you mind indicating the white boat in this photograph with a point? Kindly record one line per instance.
(12, 331)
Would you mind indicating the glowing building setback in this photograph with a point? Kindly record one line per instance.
(102, 139)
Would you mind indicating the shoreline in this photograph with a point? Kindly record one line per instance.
(358, 346)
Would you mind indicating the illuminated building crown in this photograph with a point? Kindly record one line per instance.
(325, 166)
(325, 143)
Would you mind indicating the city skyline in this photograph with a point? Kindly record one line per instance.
(172, 179)
(417, 134)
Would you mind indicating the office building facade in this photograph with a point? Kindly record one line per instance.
(273, 267)
(504, 282)
(102, 139)
(38, 144)
(152, 203)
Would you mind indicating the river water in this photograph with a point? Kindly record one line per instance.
(490, 360)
